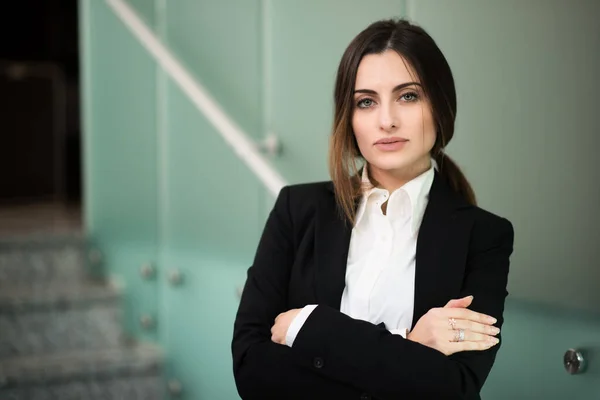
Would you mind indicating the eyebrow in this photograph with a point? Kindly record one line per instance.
(399, 87)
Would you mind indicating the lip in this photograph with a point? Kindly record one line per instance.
(389, 140)
(390, 144)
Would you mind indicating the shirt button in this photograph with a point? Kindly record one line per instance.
(318, 362)
(365, 396)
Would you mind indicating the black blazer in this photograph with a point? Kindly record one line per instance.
(301, 259)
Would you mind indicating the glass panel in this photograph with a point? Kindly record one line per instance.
(145, 9)
(120, 154)
(530, 362)
(211, 226)
(219, 41)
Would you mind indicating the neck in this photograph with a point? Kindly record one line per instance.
(395, 178)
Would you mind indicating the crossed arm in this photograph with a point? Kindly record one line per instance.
(335, 356)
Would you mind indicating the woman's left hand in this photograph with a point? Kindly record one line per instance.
(282, 324)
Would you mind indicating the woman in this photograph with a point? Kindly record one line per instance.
(388, 282)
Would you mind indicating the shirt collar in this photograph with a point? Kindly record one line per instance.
(417, 190)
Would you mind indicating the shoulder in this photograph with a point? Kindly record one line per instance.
(305, 197)
(310, 190)
(302, 200)
(483, 222)
(490, 229)
(300, 205)
(485, 219)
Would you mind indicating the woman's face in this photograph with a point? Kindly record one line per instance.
(392, 119)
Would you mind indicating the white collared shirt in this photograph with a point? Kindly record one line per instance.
(380, 271)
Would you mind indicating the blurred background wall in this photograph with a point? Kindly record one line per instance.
(176, 214)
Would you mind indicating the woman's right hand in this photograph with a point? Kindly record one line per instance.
(435, 330)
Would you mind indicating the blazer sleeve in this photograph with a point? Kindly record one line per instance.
(389, 367)
(263, 369)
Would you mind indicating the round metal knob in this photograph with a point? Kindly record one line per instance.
(175, 277)
(574, 361)
(175, 387)
(147, 322)
(147, 271)
(270, 145)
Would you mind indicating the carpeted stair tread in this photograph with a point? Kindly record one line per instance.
(128, 360)
(56, 294)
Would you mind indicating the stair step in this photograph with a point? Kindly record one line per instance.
(42, 239)
(128, 372)
(70, 294)
(42, 259)
(59, 317)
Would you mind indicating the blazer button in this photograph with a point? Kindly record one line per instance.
(365, 396)
(318, 362)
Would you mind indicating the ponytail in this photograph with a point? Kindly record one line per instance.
(454, 177)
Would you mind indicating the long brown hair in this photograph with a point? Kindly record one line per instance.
(418, 48)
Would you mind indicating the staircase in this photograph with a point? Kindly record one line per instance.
(60, 327)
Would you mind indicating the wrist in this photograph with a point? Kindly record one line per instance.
(297, 323)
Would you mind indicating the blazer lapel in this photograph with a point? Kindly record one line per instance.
(332, 241)
(442, 240)
(442, 245)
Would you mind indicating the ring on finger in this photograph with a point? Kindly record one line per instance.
(452, 323)
(460, 335)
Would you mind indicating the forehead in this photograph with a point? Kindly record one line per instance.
(385, 70)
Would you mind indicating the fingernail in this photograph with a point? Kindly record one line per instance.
(496, 330)
(492, 341)
(492, 320)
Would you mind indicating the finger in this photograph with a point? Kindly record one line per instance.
(465, 313)
(275, 336)
(471, 337)
(476, 327)
(456, 347)
(276, 339)
(460, 303)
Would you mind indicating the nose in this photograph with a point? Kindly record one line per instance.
(387, 121)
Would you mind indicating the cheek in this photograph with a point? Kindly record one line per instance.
(430, 134)
(429, 142)
(423, 129)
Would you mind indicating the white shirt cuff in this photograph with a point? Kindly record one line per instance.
(402, 332)
(297, 324)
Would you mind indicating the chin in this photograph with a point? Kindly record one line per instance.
(396, 163)
(387, 164)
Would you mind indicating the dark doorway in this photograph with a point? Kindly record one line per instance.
(40, 135)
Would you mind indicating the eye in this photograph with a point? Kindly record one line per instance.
(365, 103)
(410, 97)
